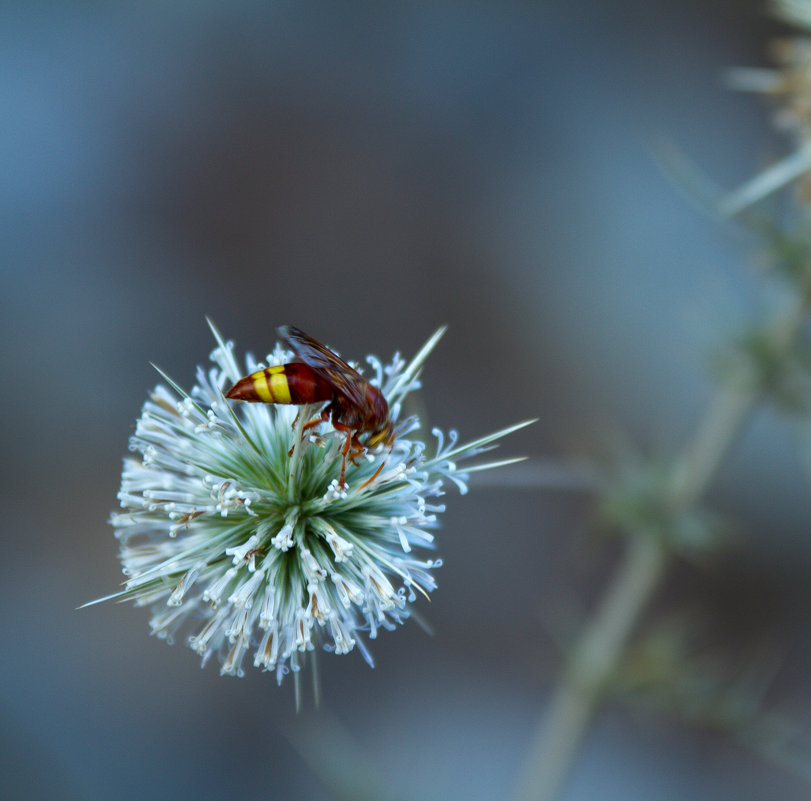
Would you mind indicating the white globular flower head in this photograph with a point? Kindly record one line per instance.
(235, 529)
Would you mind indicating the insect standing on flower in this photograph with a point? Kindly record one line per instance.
(356, 406)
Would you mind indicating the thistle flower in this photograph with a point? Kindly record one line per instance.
(233, 523)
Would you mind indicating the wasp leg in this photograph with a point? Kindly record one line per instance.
(295, 419)
(317, 420)
(352, 449)
(350, 439)
(344, 452)
(378, 471)
(373, 476)
(356, 450)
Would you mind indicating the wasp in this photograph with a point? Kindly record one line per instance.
(356, 406)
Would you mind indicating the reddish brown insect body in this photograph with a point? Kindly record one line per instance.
(356, 406)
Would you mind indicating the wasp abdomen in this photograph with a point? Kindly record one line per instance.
(295, 383)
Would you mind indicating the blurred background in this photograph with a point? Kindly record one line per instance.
(368, 172)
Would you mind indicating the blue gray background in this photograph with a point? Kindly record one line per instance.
(368, 172)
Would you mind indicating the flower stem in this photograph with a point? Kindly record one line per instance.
(601, 645)
(572, 707)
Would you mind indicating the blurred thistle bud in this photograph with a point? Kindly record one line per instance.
(789, 84)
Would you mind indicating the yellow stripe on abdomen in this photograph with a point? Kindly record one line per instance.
(271, 385)
(278, 385)
(260, 384)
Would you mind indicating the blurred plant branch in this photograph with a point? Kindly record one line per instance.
(656, 509)
(654, 529)
(667, 672)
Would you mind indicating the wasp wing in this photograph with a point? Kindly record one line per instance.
(343, 378)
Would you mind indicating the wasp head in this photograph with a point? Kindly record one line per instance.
(382, 436)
